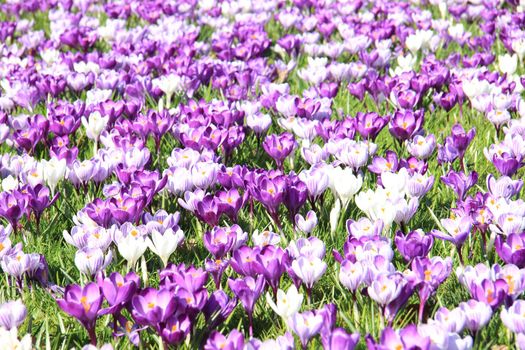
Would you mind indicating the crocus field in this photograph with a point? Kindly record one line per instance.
(268, 174)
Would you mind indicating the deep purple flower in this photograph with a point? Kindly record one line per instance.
(13, 206)
(118, 291)
(248, 291)
(512, 249)
(370, 124)
(83, 303)
(218, 307)
(279, 147)
(414, 244)
(405, 124)
(39, 200)
(272, 264)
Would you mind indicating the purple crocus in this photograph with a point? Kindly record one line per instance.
(83, 303)
(151, 306)
(118, 291)
(248, 291)
(406, 123)
(13, 206)
(491, 292)
(414, 244)
(369, 124)
(460, 182)
(279, 147)
(512, 249)
(38, 201)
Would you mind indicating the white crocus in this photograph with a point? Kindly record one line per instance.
(508, 64)
(132, 247)
(9, 340)
(414, 43)
(9, 183)
(345, 184)
(169, 85)
(165, 244)
(518, 45)
(287, 304)
(54, 170)
(95, 124)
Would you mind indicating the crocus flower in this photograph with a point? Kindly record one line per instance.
(384, 289)
(406, 338)
(460, 182)
(421, 147)
(248, 291)
(458, 230)
(9, 340)
(414, 244)
(89, 261)
(118, 291)
(511, 250)
(306, 325)
(513, 317)
(491, 292)
(12, 207)
(287, 303)
(453, 320)
(309, 270)
(83, 303)
(217, 341)
(164, 244)
(218, 307)
(308, 223)
(478, 314)
(352, 275)
(176, 329)
(12, 314)
(504, 186)
(404, 124)
(132, 246)
(152, 306)
(279, 147)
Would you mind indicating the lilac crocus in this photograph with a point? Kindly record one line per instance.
(12, 314)
(306, 325)
(406, 338)
(460, 182)
(457, 229)
(308, 223)
(514, 317)
(477, 313)
(217, 341)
